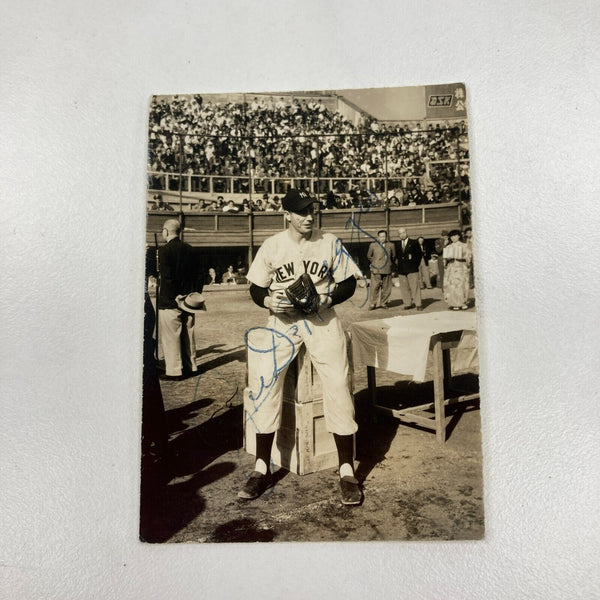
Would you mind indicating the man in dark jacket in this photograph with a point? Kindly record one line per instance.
(175, 327)
(409, 255)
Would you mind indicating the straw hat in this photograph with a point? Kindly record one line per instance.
(191, 303)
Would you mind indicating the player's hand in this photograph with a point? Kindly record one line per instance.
(325, 300)
(278, 303)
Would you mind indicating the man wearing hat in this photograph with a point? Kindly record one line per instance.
(279, 262)
(175, 308)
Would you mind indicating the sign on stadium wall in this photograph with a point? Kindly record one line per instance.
(445, 101)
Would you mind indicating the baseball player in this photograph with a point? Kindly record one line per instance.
(331, 273)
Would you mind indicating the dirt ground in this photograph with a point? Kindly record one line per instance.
(414, 488)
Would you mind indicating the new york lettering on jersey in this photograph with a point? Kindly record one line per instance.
(287, 272)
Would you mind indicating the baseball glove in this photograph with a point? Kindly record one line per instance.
(303, 295)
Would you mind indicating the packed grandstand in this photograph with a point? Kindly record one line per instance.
(245, 146)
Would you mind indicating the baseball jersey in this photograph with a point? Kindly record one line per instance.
(280, 261)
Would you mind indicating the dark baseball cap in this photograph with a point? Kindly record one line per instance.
(295, 200)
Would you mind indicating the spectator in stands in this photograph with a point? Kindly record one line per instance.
(406, 152)
(230, 207)
(155, 202)
(445, 194)
(330, 200)
(399, 192)
(272, 205)
(241, 270)
(212, 278)
(365, 197)
(465, 211)
(159, 204)
(344, 201)
(229, 276)
(429, 197)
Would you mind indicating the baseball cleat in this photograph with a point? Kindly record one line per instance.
(351, 494)
(255, 486)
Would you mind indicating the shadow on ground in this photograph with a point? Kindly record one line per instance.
(237, 354)
(425, 302)
(168, 507)
(242, 530)
(223, 357)
(407, 394)
(374, 436)
(199, 446)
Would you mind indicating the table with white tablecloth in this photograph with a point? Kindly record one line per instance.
(403, 344)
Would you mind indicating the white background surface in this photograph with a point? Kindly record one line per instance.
(76, 78)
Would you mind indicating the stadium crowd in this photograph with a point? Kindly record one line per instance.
(276, 140)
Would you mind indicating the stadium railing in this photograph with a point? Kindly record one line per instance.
(196, 187)
(356, 225)
(220, 184)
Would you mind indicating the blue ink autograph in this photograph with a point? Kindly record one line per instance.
(278, 341)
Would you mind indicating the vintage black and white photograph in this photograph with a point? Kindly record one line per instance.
(249, 183)
(310, 352)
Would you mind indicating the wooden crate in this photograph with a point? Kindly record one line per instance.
(302, 383)
(302, 445)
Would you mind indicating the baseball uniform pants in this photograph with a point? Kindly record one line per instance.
(271, 350)
(177, 341)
